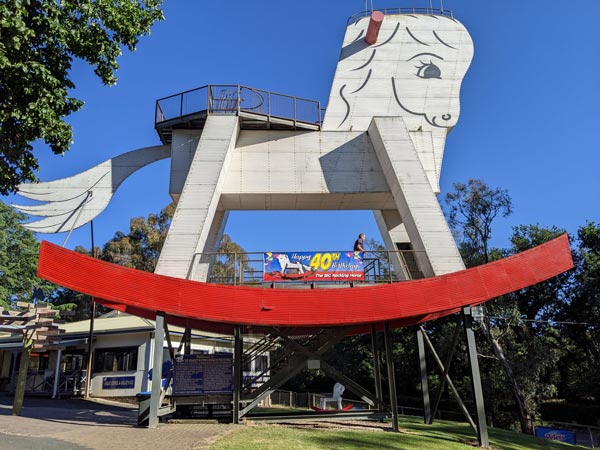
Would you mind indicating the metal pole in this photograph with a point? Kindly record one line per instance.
(424, 383)
(234, 268)
(90, 349)
(376, 364)
(482, 432)
(80, 207)
(438, 397)
(187, 350)
(159, 339)
(391, 375)
(237, 373)
(439, 363)
(57, 373)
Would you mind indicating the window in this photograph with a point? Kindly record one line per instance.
(38, 362)
(115, 359)
(261, 364)
(72, 361)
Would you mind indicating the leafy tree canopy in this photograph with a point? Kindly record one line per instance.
(38, 41)
(18, 259)
(472, 209)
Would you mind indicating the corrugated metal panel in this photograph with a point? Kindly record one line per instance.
(144, 293)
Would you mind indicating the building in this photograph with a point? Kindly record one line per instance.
(122, 357)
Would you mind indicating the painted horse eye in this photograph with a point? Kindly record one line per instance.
(428, 70)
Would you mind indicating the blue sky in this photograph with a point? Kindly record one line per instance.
(530, 107)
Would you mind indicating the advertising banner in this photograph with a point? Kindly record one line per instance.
(313, 266)
(555, 434)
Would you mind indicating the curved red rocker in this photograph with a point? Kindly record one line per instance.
(218, 307)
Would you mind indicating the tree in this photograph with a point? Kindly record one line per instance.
(18, 259)
(141, 247)
(473, 208)
(38, 41)
(231, 263)
(580, 319)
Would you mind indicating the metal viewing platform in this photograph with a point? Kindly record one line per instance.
(258, 109)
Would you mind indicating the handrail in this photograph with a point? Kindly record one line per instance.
(381, 266)
(232, 102)
(402, 10)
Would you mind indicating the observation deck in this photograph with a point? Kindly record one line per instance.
(247, 268)
(258, 109)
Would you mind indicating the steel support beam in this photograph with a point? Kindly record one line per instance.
(338, 376)
(376, 364)
(159, 339)
(482, 431)
(424, 383)
(352, 385)
(389, 361)
(297, 363)
(449, 360)
(439, 363)
(187, 350)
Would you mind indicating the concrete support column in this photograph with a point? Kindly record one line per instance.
(414, 197)
(393, 232)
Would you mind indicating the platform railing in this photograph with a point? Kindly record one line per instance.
(230, 99)
(236, 268)
(403, 10)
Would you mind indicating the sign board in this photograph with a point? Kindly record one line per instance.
(313, 266)
(555, 434)
(203, 375)
(118, 382)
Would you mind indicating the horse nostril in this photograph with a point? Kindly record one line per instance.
(447, 116)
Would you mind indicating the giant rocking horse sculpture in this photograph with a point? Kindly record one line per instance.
(393, 101)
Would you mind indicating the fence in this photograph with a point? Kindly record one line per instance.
(405, 10)
(247, 268)
(225, 99)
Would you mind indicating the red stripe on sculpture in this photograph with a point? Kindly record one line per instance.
(405, 302)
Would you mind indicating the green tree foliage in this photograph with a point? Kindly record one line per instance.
(230, 265)
(38, 41)
(140, 248)
(581, 317)
(521, 323)
(18, 258)
(473, 207)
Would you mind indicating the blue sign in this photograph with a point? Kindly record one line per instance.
(313, 266)
(203, 374)
(118, 382)
(555, 434)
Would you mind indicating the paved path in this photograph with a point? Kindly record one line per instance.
(84, 425)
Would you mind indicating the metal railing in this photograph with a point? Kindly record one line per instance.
(226, 99)
(247, 268)
(405, 10)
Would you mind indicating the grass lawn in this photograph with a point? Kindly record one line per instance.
(441, 435)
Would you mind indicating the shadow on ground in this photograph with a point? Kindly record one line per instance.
(74, 411)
